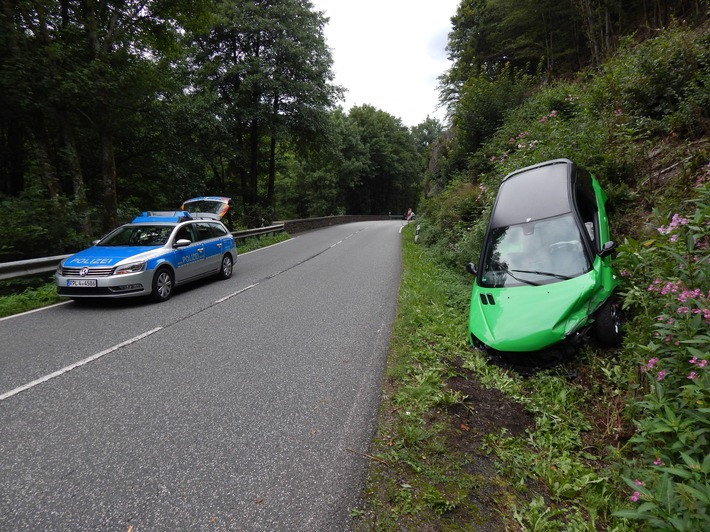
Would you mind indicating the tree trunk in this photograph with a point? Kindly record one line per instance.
(13, 151)
(108, 171)
(272, 156)
(253, 162)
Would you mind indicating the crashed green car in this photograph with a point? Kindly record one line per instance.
(544, 279)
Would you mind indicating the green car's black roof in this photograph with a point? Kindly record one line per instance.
(534, 193)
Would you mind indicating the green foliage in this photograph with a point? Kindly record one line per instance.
(257, 242)
(32, 226)
(667, 277)
(454, 223)
(659, 86)
(388, 179)
(624, 121)
(484, 103)
(29, 299)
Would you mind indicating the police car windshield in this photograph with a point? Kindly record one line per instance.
(138, 235)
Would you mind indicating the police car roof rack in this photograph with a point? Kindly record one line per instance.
(163, 216)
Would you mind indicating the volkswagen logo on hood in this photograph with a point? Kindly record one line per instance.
(84, 271)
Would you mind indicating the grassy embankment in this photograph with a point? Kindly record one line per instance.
(617, 439)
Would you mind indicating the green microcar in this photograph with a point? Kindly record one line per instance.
(544, 278)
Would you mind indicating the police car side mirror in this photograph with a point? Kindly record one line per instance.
(182, 243)
(608, 248)
(471, 268)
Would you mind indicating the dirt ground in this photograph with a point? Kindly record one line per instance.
(487, 411)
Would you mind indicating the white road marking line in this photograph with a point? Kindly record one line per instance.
(34, 310)
(225, 298)
(265, 247)
(67, 369)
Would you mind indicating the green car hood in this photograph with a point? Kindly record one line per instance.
(530, 318)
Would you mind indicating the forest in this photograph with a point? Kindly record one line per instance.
(111, 107)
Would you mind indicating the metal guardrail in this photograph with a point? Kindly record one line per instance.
(21, 268)
(258, 231)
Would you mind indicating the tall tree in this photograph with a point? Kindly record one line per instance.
(85, 65)
(268, 62)
(390, 179)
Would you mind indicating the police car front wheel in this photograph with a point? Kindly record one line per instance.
(225, 271)
(163, 283)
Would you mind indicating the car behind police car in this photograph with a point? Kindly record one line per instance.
(152, 255)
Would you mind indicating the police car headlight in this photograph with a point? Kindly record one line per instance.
(134, 267)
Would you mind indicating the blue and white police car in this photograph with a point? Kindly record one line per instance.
(152, 255)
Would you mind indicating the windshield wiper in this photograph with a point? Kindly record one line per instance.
(546, 274)
(510, 272)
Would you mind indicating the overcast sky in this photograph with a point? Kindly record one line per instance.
(389, 53)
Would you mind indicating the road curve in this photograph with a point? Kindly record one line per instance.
(244, 404)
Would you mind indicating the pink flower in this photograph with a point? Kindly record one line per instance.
(661, 374)
(639, 483)
(702, 363)
(658, 462)
(652, 362)
(635, 497)
(692, 375)
(693, 360)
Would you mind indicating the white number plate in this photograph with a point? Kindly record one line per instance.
(82, 282)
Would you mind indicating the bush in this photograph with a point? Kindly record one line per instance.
(667, 278)
(32, 226)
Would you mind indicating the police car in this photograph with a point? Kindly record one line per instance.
(150, 256)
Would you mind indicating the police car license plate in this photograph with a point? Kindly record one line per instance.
(82, 282)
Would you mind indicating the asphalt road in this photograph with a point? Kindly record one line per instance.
(237, 405)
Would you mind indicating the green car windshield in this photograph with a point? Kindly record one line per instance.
(138, 235)
(534, 253)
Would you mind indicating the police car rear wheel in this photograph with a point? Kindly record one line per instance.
(163, 282)
(225, 272)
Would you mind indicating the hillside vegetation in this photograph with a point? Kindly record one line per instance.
(618, 439)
